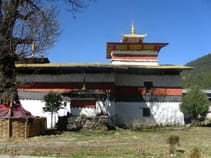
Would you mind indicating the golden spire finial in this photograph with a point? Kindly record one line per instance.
(133, 37)
(33, 48)
(132, 31)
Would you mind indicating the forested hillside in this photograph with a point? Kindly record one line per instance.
(200, 75)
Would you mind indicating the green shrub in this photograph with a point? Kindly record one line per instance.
(195, 103)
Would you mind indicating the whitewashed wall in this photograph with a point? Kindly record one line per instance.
(77, 111)
(105, 107)
(35, 107)
(134, 62)
(121, 61)
(162, 113)
(127, 113)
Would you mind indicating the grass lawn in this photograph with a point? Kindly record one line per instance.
(118, 143)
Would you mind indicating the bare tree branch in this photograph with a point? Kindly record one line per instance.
(21, 23)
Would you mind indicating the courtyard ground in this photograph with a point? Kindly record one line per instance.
(119, 143)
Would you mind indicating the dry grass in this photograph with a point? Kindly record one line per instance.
(113, 144)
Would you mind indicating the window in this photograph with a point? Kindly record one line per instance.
(148, 86)
(146, 112)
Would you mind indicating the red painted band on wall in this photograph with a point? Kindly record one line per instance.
(104, 87)
(83, 103)
(64, 87)
(127, 57)
(130, 91)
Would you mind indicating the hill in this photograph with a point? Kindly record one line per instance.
(200, 75)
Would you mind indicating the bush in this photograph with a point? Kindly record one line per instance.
(53, 103)
(195, 153)
(195, 103)
(173, 141)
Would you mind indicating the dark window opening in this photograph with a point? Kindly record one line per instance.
(146, 112)
(148, 87)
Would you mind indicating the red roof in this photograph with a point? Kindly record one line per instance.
(16, 111)
(133, 47)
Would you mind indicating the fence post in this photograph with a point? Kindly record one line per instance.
(26, 129)
(9, 128)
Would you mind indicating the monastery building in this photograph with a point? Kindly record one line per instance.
(132, 88)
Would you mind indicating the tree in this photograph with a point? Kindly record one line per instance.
(195, 103)
(53, 102)
(23, 23)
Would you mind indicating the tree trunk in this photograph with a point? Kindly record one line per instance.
(8, 90)
(51, 119)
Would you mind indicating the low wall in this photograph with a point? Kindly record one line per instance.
(74, 123)
(22, 128)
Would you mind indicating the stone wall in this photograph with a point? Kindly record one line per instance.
(75, 123)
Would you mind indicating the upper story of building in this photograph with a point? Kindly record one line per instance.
(132, 50)
(131, 55)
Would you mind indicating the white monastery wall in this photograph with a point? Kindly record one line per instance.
(87, 111)
(105, 107)
(162, 113)
(137, 62)
(35, 107)
(138, 80)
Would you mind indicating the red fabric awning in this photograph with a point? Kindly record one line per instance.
(16, 111)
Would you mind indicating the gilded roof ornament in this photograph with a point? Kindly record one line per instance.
(132, 29)
(32, 48)
(133, 37)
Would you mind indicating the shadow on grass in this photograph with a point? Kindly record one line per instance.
(52, 131)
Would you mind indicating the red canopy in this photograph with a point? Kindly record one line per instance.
(16, 111)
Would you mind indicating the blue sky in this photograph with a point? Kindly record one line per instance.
(184, 24)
